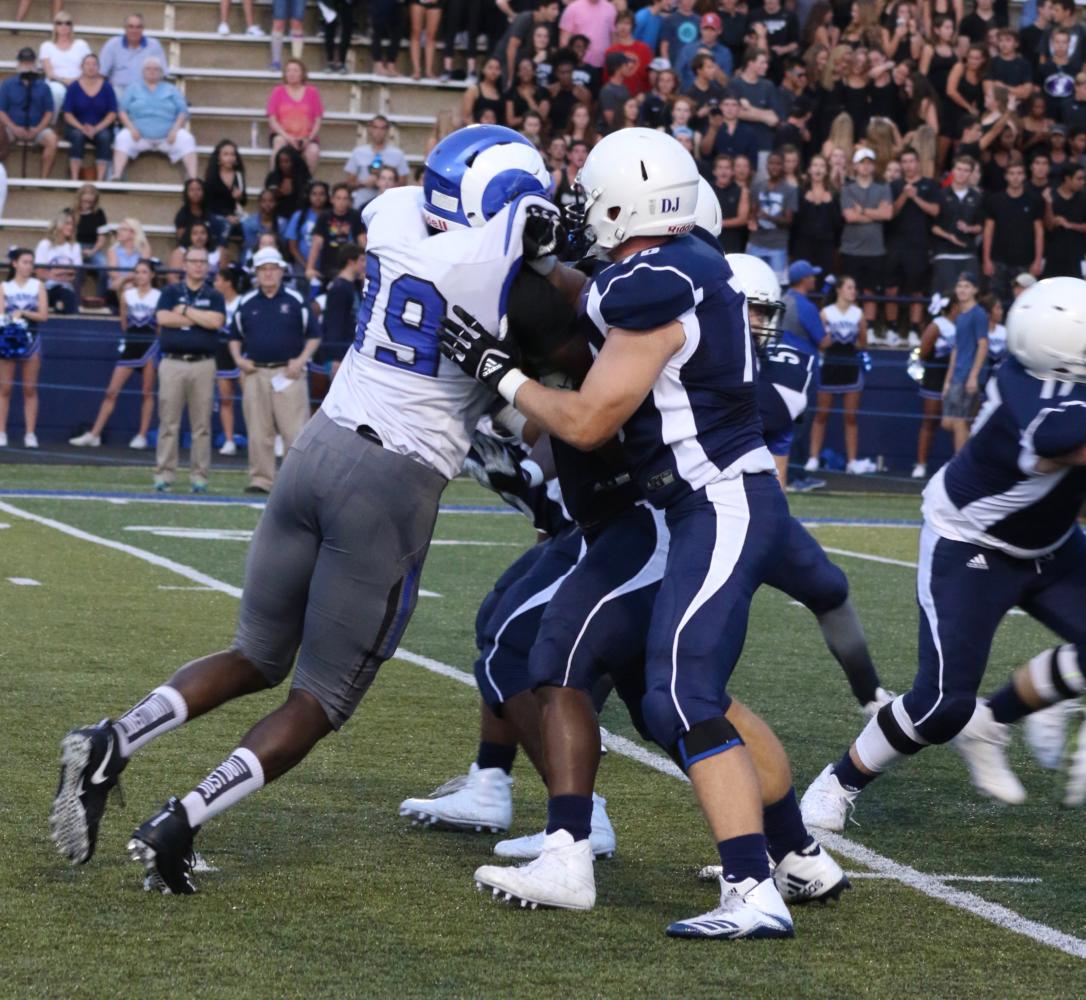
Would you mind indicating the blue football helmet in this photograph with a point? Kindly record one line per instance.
(472, 174)
(16, 340)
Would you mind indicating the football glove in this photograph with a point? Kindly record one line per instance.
(480, 354)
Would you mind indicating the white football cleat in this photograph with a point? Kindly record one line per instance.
(1074, 793)
(983, 746)
(748, 909)
(561, 877)
(810, 875)
(86, 440)
(1046, 732)
(882, 697)
(483, 802)
(826, 804)
(601, 839)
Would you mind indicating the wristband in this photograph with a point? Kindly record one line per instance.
(510, 382)
(512, 420)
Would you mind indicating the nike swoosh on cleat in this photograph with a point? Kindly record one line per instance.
(100, 772)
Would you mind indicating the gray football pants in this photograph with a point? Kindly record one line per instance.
(332, 574)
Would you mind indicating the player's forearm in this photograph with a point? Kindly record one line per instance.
(570, 416)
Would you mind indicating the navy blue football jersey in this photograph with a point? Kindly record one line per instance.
(784, 376)
(700, 423)
(992, 493)
(596, 485)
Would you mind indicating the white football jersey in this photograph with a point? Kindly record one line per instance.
(394, 378)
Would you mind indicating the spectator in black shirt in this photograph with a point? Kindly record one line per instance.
(1014, 238)
(734, 28)
(1055, 74)
(337, 227)
(1009, 68)
(955, 232)
(782, 35)
(1065, 224)
(565, 92)
(1074, 111)
(341, 307)
(734, 205)
(975, 26)
(706, 91)
(1040, 166)
(726, 134)
(915, 204)
(1062, 16)
(818, 221)
(224, 182)
(795, 129)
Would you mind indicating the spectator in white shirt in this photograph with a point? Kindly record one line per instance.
(62, 57)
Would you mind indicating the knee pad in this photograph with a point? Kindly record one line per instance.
(705, 739)
(1057, 674)
(949, 718)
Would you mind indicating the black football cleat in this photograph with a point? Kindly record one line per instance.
(163, 845)
(90, 766)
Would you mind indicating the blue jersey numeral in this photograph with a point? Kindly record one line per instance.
(412, 314)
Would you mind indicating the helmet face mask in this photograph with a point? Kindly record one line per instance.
(1046, 329)
(765, 306)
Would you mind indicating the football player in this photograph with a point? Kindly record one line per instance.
(1000, 530)
(333, 569)
(676, 375)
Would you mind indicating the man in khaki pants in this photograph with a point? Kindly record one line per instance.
(273, 336)
(190, 319)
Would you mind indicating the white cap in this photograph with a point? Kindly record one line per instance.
(863, 153)
(268, 255)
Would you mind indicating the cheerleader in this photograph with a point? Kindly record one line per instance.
(231, 282)
(841, 373)
(936, 344)
(22, 297)
(137, 350)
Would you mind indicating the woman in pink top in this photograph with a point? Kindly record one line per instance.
(294, 114)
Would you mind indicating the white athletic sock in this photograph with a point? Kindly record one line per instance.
(297, 46)
(239, 775)
(277, 46)
(162, 710)
(873, 748)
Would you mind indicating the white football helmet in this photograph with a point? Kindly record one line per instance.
(756, 280)
(708, 213)
(1046, 329)
(638, 182)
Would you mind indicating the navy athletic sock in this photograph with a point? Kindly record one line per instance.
(744, 857)
(784, 829)
(851, 777)
(1007, 706)
(572, 813)
(496, 755)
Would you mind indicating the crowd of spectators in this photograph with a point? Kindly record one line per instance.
(892, 145)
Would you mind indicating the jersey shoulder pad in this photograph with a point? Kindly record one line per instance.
(645, 291)
(394, 217)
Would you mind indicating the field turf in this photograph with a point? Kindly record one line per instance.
(323, 890)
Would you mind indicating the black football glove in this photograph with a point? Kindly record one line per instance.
(477, 352)
(543, 232)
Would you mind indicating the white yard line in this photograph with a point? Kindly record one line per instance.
(929, 885)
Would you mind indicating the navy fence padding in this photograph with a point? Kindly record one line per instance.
(79, 354)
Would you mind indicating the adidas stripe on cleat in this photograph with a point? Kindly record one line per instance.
(747, 909)
(90, 766)
(809, 876)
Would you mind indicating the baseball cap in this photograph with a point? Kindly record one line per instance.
(616, 59)
(710, 20)
(863, 153)
(970, 277)
(26, 54)
(659, 64)
(1025, 280)
(801, 269)
(268, 255)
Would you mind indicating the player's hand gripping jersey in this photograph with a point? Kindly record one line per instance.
(394, 379)
(999, 490)
(700, 422)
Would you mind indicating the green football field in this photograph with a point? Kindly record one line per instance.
(322, 889)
